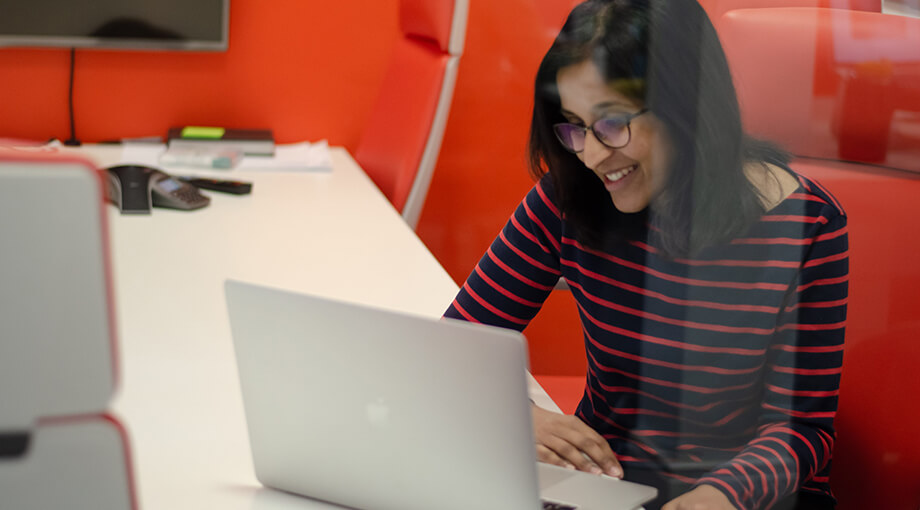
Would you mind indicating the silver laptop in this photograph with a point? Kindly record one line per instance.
(374, 409)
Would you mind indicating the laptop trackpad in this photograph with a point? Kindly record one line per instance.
(588, 491)
(550, 475)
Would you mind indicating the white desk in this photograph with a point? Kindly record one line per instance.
(332, 234)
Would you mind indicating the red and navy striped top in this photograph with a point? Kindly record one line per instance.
(730, 360)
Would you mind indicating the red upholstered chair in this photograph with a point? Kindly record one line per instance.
(400, 144)
(58, 446)
(835, 85)
(829, 83)
(876, 460)
(716, 8)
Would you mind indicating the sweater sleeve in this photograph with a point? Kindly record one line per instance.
(796, 434)
(517, 273)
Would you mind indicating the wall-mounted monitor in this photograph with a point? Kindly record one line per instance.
(197, 25)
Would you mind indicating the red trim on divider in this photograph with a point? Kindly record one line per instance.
(122, 433)
(129, 460)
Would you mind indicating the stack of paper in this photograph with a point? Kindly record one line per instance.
(304, 156)
(295, 157)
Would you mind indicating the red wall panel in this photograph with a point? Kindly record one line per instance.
(308, 70)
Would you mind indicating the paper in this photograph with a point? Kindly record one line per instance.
(147, 154)
(295, 157)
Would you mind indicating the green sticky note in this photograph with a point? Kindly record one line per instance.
(203, 132)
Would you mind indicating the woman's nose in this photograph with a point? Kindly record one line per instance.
(595, 152)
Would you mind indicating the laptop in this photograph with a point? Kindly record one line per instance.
(368, 408)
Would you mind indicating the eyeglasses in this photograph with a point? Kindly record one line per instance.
(613, 132)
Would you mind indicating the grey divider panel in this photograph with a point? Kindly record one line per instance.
(77, 464)
(55, 340)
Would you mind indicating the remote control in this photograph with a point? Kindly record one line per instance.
(223, 186)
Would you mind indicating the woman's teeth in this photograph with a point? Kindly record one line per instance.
(619, 174)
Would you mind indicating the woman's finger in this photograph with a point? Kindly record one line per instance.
(571, 454)
(592, 445)
(548, 456)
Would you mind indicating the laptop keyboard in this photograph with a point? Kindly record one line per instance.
(549, 505)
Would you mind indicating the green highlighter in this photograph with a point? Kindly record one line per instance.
(203, 133)
(253, 142)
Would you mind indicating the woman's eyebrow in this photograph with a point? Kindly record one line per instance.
(608, 105)
(601, 108)
(566, 113)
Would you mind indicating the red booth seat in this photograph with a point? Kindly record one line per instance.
(716, 8)
(876, 460)
(877, 456)
(833, 85)
(829, 83)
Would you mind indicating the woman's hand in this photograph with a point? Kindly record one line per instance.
(704, 497)
(568, 442)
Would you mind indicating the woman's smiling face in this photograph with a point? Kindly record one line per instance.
(633, 175)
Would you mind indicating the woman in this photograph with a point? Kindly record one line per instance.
(710, 279)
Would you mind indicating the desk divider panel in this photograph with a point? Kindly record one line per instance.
(58, 368)
(78, 463)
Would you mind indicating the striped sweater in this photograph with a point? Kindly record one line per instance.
(728, 362)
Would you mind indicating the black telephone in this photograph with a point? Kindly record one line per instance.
(134, 188)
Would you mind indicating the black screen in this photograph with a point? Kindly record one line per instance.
(159, 24)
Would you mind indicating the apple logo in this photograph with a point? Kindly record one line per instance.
(378, 413)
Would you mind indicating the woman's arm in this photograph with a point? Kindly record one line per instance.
(507, 289)
(520, 269)
(796, 436)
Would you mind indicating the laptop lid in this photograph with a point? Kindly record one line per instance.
(374, 409)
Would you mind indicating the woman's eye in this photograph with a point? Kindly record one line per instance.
(613, 122)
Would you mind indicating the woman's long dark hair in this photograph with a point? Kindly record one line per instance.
(665, 55)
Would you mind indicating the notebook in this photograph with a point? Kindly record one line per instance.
(369, 408)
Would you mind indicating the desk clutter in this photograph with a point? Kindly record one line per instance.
(141, 181)
(137, 188)
(142, 177)
(251, 142)
(294, 157)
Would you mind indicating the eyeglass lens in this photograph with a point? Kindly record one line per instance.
(612, 132)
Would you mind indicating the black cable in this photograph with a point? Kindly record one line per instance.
(72, 141)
